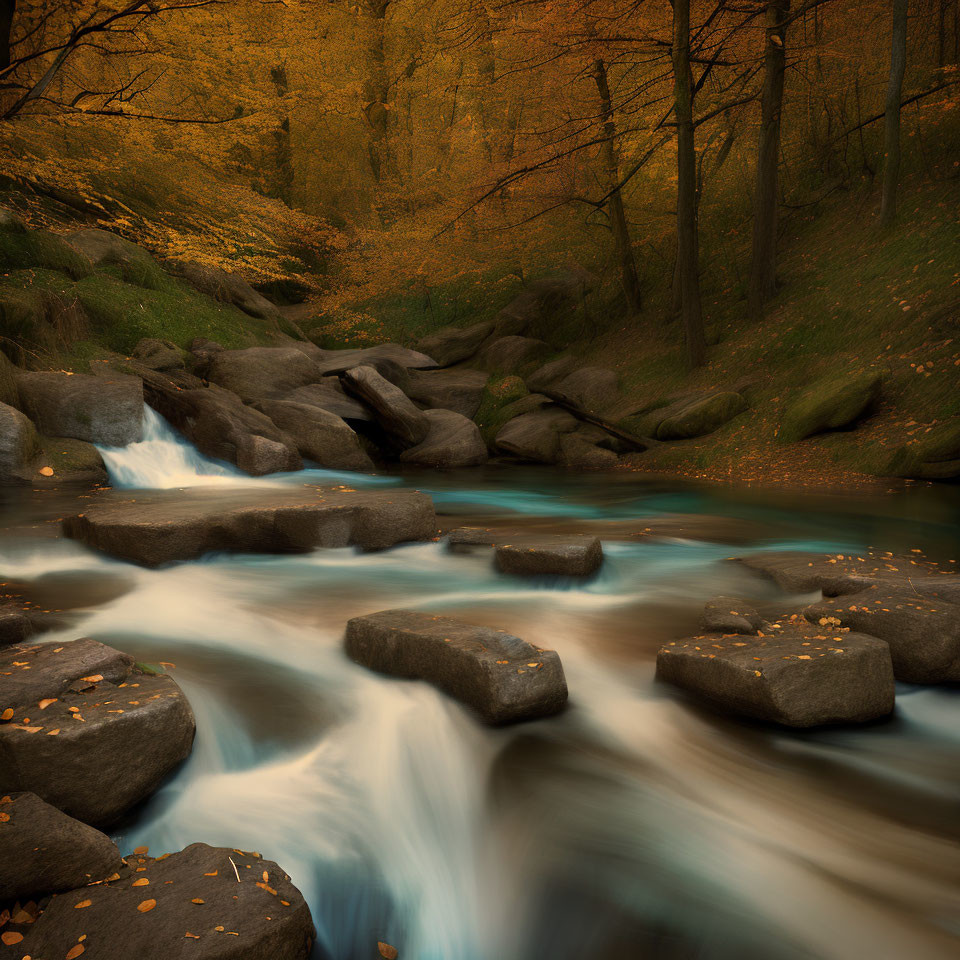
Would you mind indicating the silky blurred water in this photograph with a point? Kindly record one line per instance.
(633, 825)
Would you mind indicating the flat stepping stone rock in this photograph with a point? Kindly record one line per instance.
(207, 903)
(794, 676)
(165, 526)
(561, 556)
(923, 633)
(729, 615)
(503, 678)
(86, 730)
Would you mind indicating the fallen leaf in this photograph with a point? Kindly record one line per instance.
(140, 851)
(146, 906)
(75, 951)
(93, 678)
(43, 704)
(197, 900)
(386, 951)
(11, 937)
(4, 817)
(192, 936)
(7, 714)
(142, 882)
(82, 904)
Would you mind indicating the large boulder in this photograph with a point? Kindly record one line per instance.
(261, 373)
(536, 436)
(320, 436)
(16, 625)
(104, 248)
(934, 455)
(44, 851)
(393, 409)
(65, 460)
(701, 417)
(165, 526)
(99, 409)
(329, 395)
(568, 555)
(457, 390)
(19, 444)
(452, 441)
(589, 388)
(550, 374)
(158, 354)
(542, 302)
(794, 676)
(583, 450)
(503, 678)
(9, 393)
(203, 903)
(730, 615)
(831, 403)
(923, 633)
(336, 362)
(86, 730)
(228, 288)
(453, 344)
(512, 354)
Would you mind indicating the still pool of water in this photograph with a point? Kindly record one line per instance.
(634, 825)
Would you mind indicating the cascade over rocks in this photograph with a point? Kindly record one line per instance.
(393, 409)
(205, 903)
(44, 851)
(163, 526)
(86, 730)
(503, 678)
(452, 441)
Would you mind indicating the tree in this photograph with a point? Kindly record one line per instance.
(891, 125)
(8, 10)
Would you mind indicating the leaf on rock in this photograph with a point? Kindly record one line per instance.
(146, 906)
(11, 937)
(82, 904)
(75, 951)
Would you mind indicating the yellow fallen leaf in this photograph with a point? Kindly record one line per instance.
(146, 906)
(82, 904)
(43, 704)
(45, 471)
(386, 951)
(142, 882)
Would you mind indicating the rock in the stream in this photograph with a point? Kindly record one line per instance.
(164, 526)
(730, 615)
(561, 556)
(830, 404)
(923, 633)
(261, 373)
(99, 409)
(181, 906)
(72, 461)
(228, 288)
(701, 417)
(933, 455)
(512, 354)
(503, 678)
(454, 344)
(85, 729)
(457, 390)
(794, 677)
(393, 409)
(44, 851)
(329, 395)
(158, 354)
(19, 444)
(453, 441)
(16, 625)
(320, 436)
(536, 436)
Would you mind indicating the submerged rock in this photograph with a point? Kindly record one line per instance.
(453, 441)
(44, 851)
(206, 903)
(85, 729)
(503, 678)
(829, 404)
(165, 526)
(730, 615)
(793, 677)
(568, 555)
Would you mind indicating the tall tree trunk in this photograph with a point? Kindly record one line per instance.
(691, 310)
(7, 10)
(376, 91)
(283, 151)
(763, 269)
(891, 126)
(618, 218)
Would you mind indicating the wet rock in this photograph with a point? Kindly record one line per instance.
(260, 456)
(44, 851)
(933, 455)
(729, 615)
(19, 444)
(701, 417)
(589, 388)
(393, 409)
(329, 395)
(15, 625)
(320, 436)
(228, 288)
(99, 409)
(339, 361)
(72, 462)
(159, 354)
(454, 344)
(536, 436)
(86, 730)
(453, 441)
(829, 404)
(164, 526)
(503, 678)
(262, 373)
(186, 904)
(794, 677)
(512, 354)
(560, 556)
(457, 390)
(923, 633)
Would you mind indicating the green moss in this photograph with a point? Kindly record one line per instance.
(40, 248)
(701, 417)
(829, 404)
(498, 395)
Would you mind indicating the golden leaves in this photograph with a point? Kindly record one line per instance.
(43, 704)
(75, 951)
(7, 714)
(82, 904)
(45, 471)
(146, 906)
(142, 882)
(386, 951)
(197, 900)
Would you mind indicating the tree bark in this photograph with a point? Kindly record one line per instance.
(618, 218)
(8, 9)
(891, 128)
(763, 269)
(376, 91)
(691, 310)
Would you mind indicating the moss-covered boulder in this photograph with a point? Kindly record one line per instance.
(65, 460)
(701, 417)
(935, 455)
(499, 395)
(134, 264)
(830, 404)
(24, 249)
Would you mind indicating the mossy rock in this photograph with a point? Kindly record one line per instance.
(26, 249)
(702, 416)
(829, 404)
(128, 261)
(72, 461)
(499, 395)
(934, 456)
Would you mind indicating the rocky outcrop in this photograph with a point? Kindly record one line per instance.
(452, 441)
(19, 444)
(452, 345)
(99, 409)
(44, 851)
(158, 354)
(457, 390)
(104, 248)
(512, 354)
(541, 302)
(933, 455)
(794, 676)
(228, 288)
(560, 556)
(336, 362)
(393, 409)
(261, 373)
(536, 436)
(831, 403)
(329, 395)
(550, 374)
(86, 730)
(586, 388)
(701, 416)
(165, 526)
(503, 678)
(206, 903)
(320, 436)
(729, 615)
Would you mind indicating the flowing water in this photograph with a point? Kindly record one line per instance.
(634, 825)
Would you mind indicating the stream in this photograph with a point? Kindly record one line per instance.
(633, 825)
